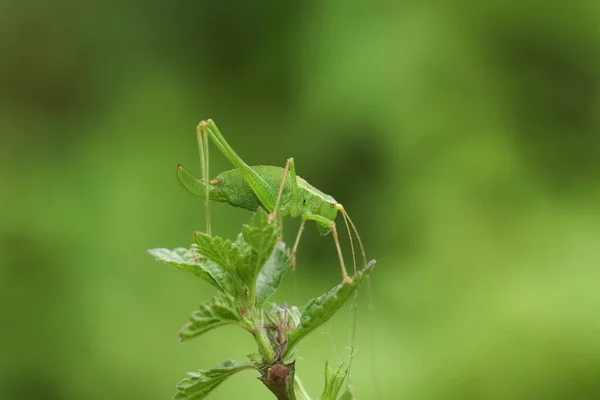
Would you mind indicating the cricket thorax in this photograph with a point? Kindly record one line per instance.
(321, 204)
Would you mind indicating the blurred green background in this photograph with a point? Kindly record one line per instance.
(462, 137)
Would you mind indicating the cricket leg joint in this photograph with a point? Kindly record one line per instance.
(201, 128)
(293, 261)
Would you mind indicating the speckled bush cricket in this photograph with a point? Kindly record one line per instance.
(279, 190)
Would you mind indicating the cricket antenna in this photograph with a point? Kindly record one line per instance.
(349, 236)
(362, 248)
(369, 295)
(355, 301)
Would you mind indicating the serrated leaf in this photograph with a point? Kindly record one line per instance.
(199, 384)
(217, 250)
(225, 255)
(189, 261)
(272, 273)
(246, 256)
(318, 311)
(221, 310)
(334, 379)
(261, 236)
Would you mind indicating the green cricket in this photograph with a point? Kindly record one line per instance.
(279, 190)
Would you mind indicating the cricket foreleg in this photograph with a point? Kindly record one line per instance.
(347, 279)
(295, 248)
(203, 149)
(323, 220)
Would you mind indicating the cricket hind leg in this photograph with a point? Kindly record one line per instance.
(280, 220)
(295, 248)
(261, 189)
(289, 165)
(202, 137)
(294, 204)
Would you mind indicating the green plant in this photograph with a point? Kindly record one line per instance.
(246, 272)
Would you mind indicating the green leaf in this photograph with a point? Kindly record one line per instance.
(217, 250)
(225, 255)
(221, 310)
(261, 236)
(199, 384)
(334, 379)
(272, 273)
(188, 260)
(318, 311)
(246, 256)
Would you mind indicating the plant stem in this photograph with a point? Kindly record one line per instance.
(263, 342)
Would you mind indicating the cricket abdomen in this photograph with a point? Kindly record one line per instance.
(238, 192)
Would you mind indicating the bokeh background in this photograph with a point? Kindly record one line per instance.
(462, 137)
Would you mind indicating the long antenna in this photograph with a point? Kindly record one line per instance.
(354, 304)
(350, 236)
(370, 301)
(362, 248)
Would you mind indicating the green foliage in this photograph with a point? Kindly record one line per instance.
(197, 385)
(320, 310)
(221, 310)
(189, 261)
(261, 238)
(334, 379)
(246, 272)
(272, 273)
(224, 254)
(242, 260)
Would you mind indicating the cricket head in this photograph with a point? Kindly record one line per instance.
(329, 210)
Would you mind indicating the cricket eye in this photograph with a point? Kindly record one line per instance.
(332, 204)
